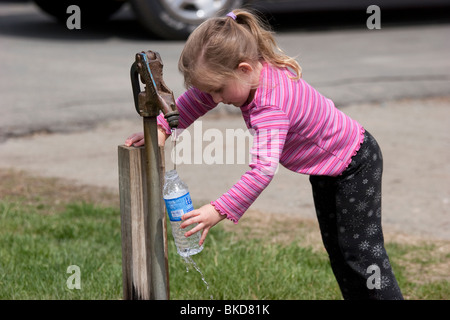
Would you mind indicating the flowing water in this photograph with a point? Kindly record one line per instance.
(190, 262)
(174, 139)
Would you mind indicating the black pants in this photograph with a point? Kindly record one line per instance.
(348, 208)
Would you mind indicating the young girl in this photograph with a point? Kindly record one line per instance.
(235, 60)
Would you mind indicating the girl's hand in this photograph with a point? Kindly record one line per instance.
(137, 139)
(206, 217)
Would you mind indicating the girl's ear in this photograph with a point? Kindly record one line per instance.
(245, 67)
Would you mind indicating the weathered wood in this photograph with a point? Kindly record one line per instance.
(166, 248)
(136, 254)
(155, 215)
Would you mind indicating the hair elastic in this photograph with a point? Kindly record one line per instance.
(231, 15)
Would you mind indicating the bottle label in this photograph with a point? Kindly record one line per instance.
(179, 206)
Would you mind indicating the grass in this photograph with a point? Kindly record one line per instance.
(37, 249)
(251, 269)
(44, 230)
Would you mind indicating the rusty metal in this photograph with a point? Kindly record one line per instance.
(155, 98)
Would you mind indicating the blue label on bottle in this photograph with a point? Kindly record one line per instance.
(179, 206)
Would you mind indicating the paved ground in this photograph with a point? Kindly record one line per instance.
(66, 105)
(59, 80)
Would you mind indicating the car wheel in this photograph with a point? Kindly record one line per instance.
(176, 19)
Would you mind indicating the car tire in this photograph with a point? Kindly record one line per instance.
(92, 11)
(175, 22)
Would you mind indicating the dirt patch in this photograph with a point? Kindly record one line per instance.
(277, 228)
(51, 193)
(429, 262)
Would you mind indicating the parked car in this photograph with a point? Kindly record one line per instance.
(175, 19)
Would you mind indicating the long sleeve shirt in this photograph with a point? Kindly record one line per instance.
(292, 124)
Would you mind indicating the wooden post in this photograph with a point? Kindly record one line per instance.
(136, 255)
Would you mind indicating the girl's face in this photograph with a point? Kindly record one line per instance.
(237, 91)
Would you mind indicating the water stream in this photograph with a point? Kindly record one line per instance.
(190, 262)
(174, 139)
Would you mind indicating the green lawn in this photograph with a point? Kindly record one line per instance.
(40, 238)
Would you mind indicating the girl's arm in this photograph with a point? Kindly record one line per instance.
(137, 139)
(191, 105)
(271, 126)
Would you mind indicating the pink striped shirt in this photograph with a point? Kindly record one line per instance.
(292, 124)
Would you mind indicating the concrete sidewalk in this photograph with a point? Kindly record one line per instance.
(414, 136)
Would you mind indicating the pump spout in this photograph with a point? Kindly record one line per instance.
(157, 96)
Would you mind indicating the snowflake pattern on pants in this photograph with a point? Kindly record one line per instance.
(350, 224)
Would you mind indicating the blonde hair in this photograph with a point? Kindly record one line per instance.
(215, 49)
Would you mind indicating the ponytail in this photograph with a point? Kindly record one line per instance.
(215, 49)
(267, 46)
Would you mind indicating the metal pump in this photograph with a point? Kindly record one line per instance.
(155, 98)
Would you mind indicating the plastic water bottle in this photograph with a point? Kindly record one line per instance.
(178, 202)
